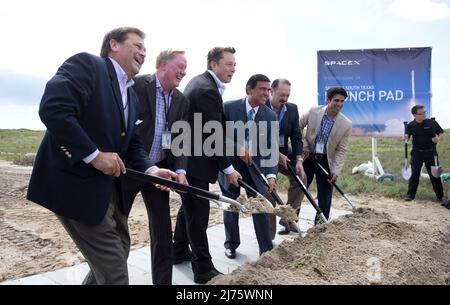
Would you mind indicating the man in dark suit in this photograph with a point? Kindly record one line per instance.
(161, 104)
(90, 112)
(251, 110)
(205, 97)
(287, 115)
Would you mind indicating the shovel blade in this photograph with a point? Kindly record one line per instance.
(436, 171)
(222, 205)
(406, 173)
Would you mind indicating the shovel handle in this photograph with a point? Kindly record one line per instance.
(259, 173)
(172, 184)
(248, 188)
(307, 193)
(326, 174)
(183, 188)
(405, 123)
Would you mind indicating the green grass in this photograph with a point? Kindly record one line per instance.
(391, 155)
(14, 144)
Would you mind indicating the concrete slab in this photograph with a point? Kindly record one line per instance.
(139, 277)
(139, 262)
(37, 279)
(182, 274)
(68, 276)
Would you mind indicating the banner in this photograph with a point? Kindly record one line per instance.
(382, 85)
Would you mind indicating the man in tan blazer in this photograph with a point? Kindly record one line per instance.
(326, 141)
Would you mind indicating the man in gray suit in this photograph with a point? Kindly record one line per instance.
(326, 142)
(251, 110)
(160, 105)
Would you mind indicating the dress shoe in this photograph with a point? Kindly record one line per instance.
(285, 231)
(283, 222)
(203, 278)
(230, 253)
(286, 226)
(181, 259)
(292, 228)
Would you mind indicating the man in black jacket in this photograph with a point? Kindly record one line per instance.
(287, 115)
(205, 99)
(426, 134)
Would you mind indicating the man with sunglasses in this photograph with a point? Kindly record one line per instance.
(426, 133)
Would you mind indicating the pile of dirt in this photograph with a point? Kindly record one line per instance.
(368, 247)
(262, 205)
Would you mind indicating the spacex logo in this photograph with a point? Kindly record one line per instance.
(342, 62)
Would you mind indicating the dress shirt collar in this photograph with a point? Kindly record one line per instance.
(219, 83)
(330, 119)
(124, 81)
(282, 110)
(248, 107)
(158, 85)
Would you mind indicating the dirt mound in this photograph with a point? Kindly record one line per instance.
(367, 247)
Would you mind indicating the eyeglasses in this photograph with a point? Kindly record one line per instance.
(421, 113)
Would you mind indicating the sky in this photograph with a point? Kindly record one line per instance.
(278, 38)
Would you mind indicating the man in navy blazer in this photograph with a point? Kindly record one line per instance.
(244, 110)
(89, 109)
(287, 115)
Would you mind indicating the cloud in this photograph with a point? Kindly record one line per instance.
(419, 10)
(20, 89)
(439, 101)
(20, 116)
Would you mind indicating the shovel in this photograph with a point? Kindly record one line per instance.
(274, 194)
(324, 171)
(322, 218)
(406, 170)
(222, 201)
(263, 178)
(255, 193)
(436, 170)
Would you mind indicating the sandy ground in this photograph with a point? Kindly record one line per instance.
(32, 239)
(385, 242)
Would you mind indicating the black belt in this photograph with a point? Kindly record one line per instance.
(319, 156)
(424, 150)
